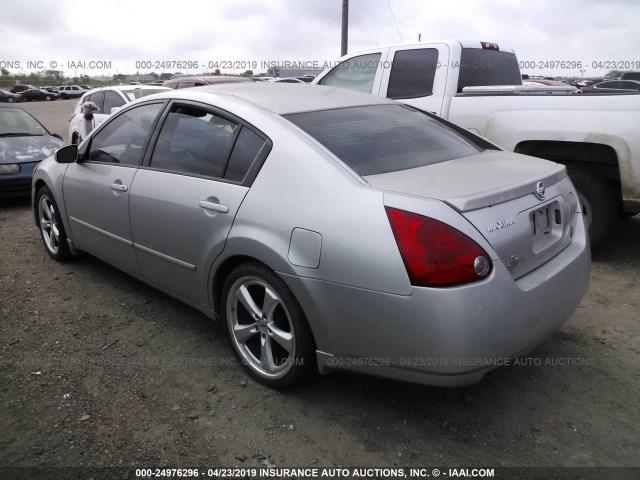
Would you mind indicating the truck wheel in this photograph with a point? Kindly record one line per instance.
(598, 202)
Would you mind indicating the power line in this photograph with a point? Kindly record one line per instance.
(394, 21)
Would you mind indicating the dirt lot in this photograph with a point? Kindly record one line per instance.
(98, 369)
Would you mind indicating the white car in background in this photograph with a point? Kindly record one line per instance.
(106, 99)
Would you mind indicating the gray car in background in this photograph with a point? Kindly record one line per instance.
(327, 229)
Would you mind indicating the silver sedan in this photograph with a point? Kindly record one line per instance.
(327, 229)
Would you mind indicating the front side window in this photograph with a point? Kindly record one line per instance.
(412, 73)
(124, 138)
(112, 100)
(357, 73)
(194, 141)
(379, 139)
(96, 98)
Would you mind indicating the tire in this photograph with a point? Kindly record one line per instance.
(267, 327)
(48, 98)
(52, 229)
(10, 99)
(599, 203)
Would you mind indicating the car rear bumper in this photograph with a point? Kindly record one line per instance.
(449, 336)
(17, 184)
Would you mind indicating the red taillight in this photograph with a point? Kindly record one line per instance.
(436, 254)
(490, 46)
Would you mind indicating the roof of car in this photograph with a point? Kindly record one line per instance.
(209, 79)
(282, 98)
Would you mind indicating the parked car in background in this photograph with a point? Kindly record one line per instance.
(21, 88)
(37, 94)
(614, 86)
(588, 83)
(188, 82)
(325, 227)
(71, 91)
(24, 142)
(51, 89)
(105, 99)
(630, 76)
(8, 97)
(286, 80)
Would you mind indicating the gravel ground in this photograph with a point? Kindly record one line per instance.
(98, 369)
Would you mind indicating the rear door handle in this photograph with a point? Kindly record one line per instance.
(119, 187)
(214, 206)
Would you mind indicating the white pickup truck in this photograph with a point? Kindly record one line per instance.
(478, 86)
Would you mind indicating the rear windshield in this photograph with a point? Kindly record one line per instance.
(384, 138)
(482, 67)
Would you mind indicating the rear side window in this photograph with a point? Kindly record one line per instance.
(194, 141)
(245, 151)
(384, 138)
(412, 73)
(482, 67)
(357, 73)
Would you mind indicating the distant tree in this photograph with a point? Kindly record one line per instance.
(4, 72)
(274, 71)
(154, 75)
(217, 71)
(248, 73)
(166, 76)
(119, 77)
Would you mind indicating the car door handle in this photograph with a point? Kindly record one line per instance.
(214, 206)
(119, 187)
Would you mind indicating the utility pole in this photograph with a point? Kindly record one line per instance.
(345, 28)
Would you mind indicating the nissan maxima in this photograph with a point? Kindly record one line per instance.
(326, 228)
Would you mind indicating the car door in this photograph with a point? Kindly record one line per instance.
(417, 76)
(96, 188)
(184, 201)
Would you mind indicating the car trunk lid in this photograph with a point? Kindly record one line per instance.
(523, 206)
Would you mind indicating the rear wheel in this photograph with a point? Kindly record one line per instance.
(10, 99)
(267, 327)
(599, 203)
(52, 230)
(48, 98)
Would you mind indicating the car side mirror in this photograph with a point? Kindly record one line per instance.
(66, 154)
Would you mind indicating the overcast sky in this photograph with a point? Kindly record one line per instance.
(124, 32)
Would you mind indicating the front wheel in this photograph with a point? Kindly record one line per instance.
(10, 99)
(52, 230)
(267, 327)
(598, 202)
